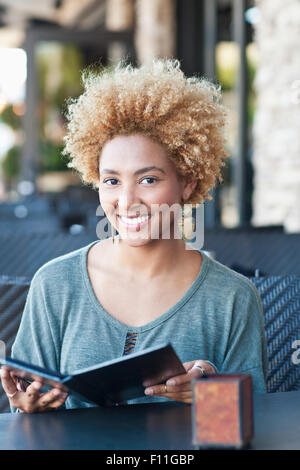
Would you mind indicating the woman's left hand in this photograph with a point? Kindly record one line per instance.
(179, 388)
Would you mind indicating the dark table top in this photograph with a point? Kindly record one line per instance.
(162, 426)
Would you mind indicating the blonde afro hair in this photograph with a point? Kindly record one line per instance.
(182, 114)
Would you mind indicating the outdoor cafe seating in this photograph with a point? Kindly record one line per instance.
(249, 251)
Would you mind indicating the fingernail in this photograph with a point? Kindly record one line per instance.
(36, 386)
(171, 382)
(149, 391)
(56, 392)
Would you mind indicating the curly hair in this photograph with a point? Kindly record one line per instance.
(182, 114)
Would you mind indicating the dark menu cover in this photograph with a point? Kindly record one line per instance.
(111, 382)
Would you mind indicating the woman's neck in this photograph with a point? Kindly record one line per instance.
(149, 261)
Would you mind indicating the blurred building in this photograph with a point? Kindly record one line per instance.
(276, 157)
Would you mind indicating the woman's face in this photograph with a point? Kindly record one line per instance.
(138, 185)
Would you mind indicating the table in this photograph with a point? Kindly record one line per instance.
(161, 426)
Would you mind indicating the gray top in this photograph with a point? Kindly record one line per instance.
(65, 328)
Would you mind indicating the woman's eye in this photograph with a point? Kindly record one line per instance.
(150, 178)
(111, 181)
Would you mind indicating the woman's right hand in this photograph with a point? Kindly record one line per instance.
(30, 400)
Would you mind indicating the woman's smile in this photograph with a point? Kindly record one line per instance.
(134, 223)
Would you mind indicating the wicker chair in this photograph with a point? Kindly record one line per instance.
(13, 292)
(246, 249)
(280, 297)
(23, 253)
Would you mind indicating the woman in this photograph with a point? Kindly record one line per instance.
(146, 138)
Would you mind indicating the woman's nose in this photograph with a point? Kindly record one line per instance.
(127, 200)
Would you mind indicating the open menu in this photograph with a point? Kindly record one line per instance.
(110, 382)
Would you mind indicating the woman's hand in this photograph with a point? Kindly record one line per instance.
(179, 388)
(27, 398)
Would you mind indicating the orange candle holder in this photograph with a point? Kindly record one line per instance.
(222, 411)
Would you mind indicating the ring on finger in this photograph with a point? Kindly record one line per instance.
(11, 395)
(202, 370)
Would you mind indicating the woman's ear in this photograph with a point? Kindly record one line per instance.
(189, 186)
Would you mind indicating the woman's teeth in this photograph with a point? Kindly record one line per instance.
(135, 220)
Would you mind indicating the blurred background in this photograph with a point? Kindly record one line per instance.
(249, 47)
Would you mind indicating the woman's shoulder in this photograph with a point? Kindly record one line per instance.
(227, 279)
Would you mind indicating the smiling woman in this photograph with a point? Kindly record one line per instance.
(151, 141)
